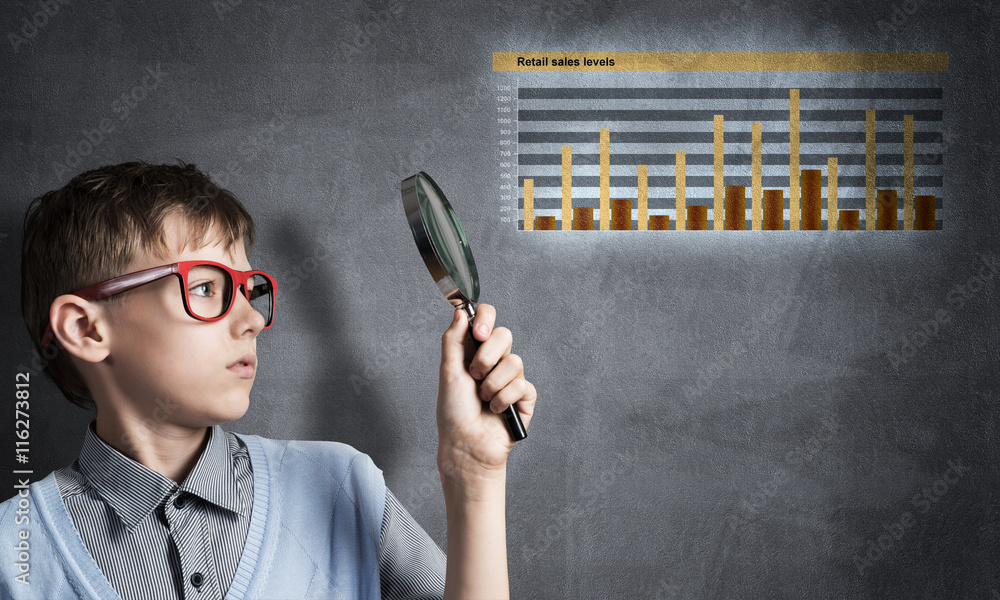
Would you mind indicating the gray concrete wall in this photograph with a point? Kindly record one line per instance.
(800, 447)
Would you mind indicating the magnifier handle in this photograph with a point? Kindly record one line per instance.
(510, 415)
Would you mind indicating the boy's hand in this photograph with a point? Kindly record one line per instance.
(473, 441)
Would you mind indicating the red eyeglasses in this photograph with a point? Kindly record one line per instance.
(206, 287)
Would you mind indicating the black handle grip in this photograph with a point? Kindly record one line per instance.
(510, 414)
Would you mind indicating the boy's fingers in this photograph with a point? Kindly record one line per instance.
(482, 325)
(519, 392)
(491, 352)
(508, 368)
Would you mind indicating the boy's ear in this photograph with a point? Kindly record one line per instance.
(81, 327)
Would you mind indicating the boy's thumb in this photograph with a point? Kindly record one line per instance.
(453, 340)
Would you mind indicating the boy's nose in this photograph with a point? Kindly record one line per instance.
(242, 304)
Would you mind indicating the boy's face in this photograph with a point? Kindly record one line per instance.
(171, 367)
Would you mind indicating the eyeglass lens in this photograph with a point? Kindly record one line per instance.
(210, 291)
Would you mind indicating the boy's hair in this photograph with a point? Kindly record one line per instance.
(91, 229)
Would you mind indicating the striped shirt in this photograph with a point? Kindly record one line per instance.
(154, 539)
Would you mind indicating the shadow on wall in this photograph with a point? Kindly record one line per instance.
(332, 408)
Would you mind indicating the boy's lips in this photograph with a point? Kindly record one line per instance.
(244, 366)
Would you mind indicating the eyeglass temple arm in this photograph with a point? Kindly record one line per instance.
(106, 289)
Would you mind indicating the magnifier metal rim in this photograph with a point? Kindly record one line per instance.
(432, 259)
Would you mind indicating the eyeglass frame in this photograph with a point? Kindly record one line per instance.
(129, 281)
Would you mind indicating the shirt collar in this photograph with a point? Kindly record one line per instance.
(133, 490)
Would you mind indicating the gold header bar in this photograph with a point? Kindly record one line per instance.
(720, 61)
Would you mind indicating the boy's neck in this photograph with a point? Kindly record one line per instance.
(169, 450)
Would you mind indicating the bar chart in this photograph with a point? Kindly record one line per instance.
(729, 158)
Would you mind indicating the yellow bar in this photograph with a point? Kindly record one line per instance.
(908, 172)
(529, 204)
(832, 215)
(717, 209)
(755, 179)
(567, 188)
(680, 185)
(870, 170)
(793, 160)
(643, 208)
(720, 61)
(605, 179)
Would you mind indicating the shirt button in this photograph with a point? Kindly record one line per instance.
(179, 502)
(197, 579)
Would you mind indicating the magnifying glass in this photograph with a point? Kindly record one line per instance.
(446, 252)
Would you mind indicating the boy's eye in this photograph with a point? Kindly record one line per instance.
(202, 289)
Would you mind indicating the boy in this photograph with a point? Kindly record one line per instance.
(139, 274)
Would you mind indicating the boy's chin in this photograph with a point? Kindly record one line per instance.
(234, 409)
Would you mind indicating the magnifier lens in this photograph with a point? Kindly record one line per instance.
(447, 237)
(446, 253)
